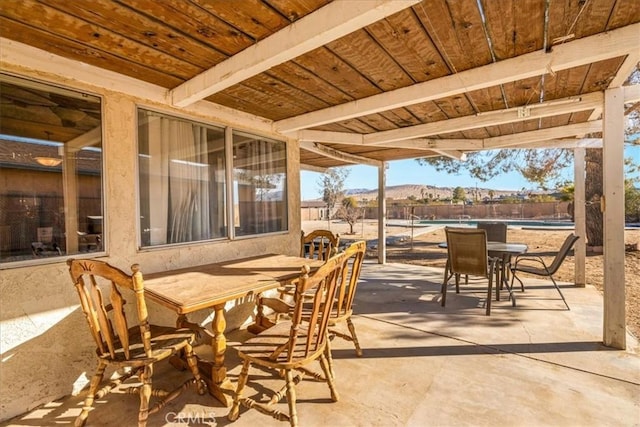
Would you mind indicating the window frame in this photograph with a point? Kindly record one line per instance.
(229, 207)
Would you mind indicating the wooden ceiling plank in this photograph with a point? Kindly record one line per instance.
(455, 106)
(487, 99)
(99, 38)
(139, 27)
(404, 33)
(63, 47)
(624, 13)
(332, 69)
(456, 29)
(491, 118)
(592, 49)
(324, 25)
(254, 17)
(599, 75)
(427, 111)
(355, 125)
(303, 79)
(295, 9)
(378, 122)
(401, 117)
(523, 92)
(282, 95)
(189, 18)
(259, 101)
(515, 27)
(364, 54)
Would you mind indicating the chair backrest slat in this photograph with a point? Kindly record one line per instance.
(563, 252)
(467, 251)
(319, 244)
(321, 287)
(348, 281)
(108, 322)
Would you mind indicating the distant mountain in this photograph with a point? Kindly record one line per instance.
(425, 191)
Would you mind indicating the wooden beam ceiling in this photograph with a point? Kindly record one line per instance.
(328, 23)
(612, 44)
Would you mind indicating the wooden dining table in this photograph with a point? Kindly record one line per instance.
(211, 286)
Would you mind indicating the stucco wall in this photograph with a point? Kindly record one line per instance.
(45, 343)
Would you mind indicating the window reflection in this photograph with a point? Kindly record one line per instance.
(50, 171)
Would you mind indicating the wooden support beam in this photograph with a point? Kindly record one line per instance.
(521, 139)
(311, 168)
(490, 118)
(338, 155)
(382, 214)
(613, 168)
(579, 216)
(563, 143)
(337, 19)
(452, 154)
(330, 137)
(583, 51)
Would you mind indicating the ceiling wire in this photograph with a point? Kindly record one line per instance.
(545, 44)
(490, 43)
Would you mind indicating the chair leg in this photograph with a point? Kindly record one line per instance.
(327, 351)
(488, 310)
(234, 412)
(291, 397)
(354, 337)
(192, 361)
(559, 291)
(93, 388)
(514, 277)
(324, 363)
(457, 283)
(443, 291)
(145, 395)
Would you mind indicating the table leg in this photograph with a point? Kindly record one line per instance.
(219, 381)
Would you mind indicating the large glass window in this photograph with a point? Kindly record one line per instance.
(260, 182)
(182, 180)
(51, 199)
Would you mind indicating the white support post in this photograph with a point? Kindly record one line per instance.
(579, 216)
(382, 214)
(613, 206)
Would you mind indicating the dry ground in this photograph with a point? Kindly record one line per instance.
(424, 251)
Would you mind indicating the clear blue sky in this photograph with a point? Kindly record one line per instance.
(410, 172)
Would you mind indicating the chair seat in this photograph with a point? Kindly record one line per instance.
(260, 349)
(532, 270)
(165, 341)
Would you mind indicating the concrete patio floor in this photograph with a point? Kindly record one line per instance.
(536, 364)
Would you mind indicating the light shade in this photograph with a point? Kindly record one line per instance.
(48, 161)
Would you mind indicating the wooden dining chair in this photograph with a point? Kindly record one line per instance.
(467, 254)
(534, 264)
(136, 345)
(319, 244)
(289, 346)
(345, 294)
